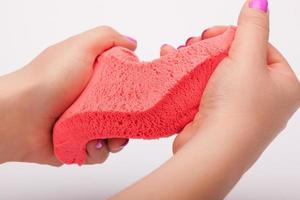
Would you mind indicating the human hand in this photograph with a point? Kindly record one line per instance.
(247, 101)
(253, 88)
(33, 97)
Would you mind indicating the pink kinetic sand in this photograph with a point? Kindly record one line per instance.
(128, 98)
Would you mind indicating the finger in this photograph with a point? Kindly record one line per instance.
(97, 40)
(116, 144)
(214, 31)
(181, 140)
(97, 152)
(166, 49)
(53, 161)
(208, 33)
(184, 136)
(277, 61)
(192, 40)
(275, 58)
(251, 40)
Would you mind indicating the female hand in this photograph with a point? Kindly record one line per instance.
(248, 100)
(253, 88)
(33, 97)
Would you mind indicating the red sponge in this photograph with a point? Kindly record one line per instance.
(128, 98)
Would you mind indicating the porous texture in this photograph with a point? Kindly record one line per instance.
(126, 98)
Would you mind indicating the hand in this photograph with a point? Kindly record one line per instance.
(247, 101)
(254, 86)
(33, 97)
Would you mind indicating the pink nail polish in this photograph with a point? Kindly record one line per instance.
(203, 33)
(181, 46)
(131, 39)
(188, 40)
(259, 4)
(99, 144)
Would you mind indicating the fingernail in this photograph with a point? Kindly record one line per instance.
(162, 46)
(181, 46)
(131, 39)
(99, 144)
(259, 4)
(188, 40)
(203, 33)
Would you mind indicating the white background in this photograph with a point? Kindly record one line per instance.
(27, 27)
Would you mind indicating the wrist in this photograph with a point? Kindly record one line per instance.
(242, 140)
(218, 154)
(14, 112)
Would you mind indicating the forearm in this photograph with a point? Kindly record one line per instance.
(205, 168)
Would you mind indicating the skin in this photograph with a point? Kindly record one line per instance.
(247, 102)
(34, 97)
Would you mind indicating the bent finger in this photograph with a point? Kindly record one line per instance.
(166, 49)
(116, 144)
(97, 40)
(97, 152)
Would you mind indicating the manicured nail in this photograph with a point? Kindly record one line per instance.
(131, 39)
(187, 42)
(259, 4)
(164, 45)
(181, 46)
(203, 33)
(99, 144)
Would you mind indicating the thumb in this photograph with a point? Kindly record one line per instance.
(251, 40)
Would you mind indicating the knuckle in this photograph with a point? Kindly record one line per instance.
(98, 160)
(106, 29)
(255, 19)
(57, 165)
(103, 158)
(107, 32)
(49, 49)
